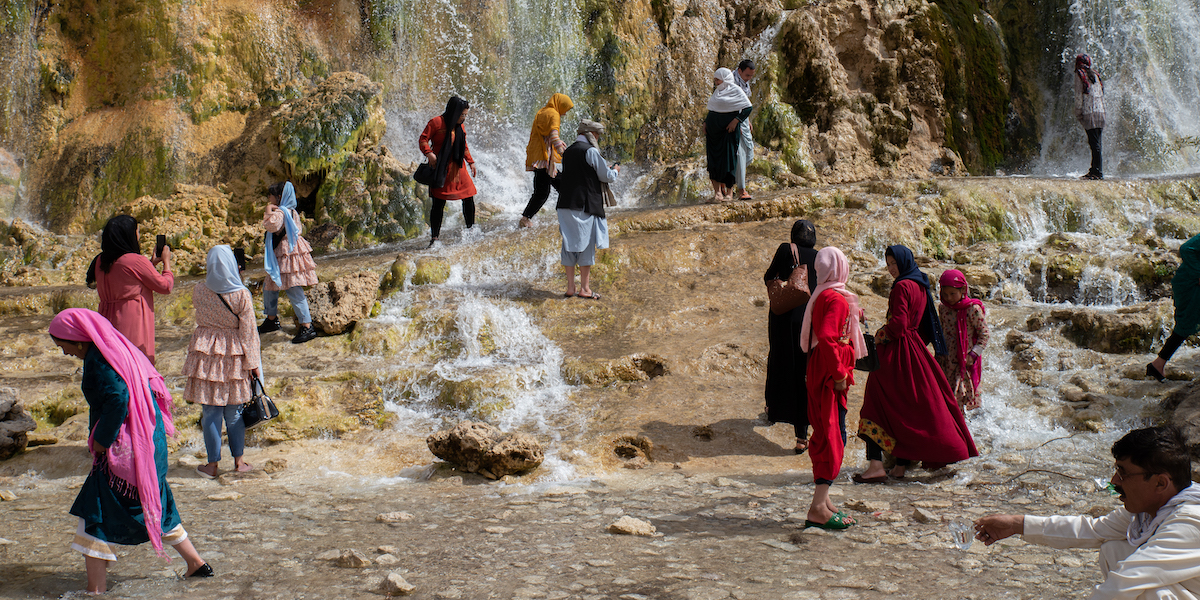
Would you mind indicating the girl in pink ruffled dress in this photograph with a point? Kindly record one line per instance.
(223, 356)
(290, 266)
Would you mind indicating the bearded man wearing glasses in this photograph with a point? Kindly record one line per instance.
(1150, 549)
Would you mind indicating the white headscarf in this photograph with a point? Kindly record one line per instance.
(223, 276)
(728, 97)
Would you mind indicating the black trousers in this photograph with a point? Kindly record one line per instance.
(1094, 143)
(439, 208)
(541, 192)
(875, 452)
(1171, 345)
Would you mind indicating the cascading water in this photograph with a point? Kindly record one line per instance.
(506, 65)
(20, 86)
(1146, 52)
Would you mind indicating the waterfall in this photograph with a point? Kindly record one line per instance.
(505, 61)
(20, 79)
(1146, 51)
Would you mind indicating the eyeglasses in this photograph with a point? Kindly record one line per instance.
(1120, 475)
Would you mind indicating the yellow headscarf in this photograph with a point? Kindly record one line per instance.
(548, 119)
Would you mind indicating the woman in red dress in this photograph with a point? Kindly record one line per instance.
(126, 282)
(908, 408)
(833, 339)
(451, 181)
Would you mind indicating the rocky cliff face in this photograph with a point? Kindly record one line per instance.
(131, 98)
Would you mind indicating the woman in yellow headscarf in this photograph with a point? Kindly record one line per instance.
(544, 150)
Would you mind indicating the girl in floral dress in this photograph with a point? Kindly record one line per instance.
(966, 334)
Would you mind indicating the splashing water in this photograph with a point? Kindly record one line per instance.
(1146, 52)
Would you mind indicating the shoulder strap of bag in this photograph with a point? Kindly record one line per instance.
(235, 315)
(795, 256)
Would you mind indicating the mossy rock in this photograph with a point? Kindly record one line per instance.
(394, 279)
(342, 115)
(55, 409)
(373, 198)
(1180, 226)
(431, 270)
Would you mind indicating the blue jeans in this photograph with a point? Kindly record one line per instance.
(210, 423)
(299, 303)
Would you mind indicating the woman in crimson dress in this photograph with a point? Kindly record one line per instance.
(908, 408)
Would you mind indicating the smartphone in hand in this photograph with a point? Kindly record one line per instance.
(159, 243)
(239, 254)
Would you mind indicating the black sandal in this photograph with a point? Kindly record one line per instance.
(203, 571)
(1155, 373)
(799, 442)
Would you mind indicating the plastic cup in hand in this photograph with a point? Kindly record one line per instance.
(962, 532)
(1105, 485)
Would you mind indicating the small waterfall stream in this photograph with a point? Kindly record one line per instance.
(1147, 52)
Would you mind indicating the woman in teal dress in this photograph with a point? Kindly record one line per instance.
(1185, 293)
(125, 499)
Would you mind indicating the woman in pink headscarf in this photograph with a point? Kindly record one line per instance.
(833, 339)
(125, 499)
(966, 334)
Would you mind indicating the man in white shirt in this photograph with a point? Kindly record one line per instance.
(745, 72)
(1150, 549)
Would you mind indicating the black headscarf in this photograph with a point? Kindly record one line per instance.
(930, 328)
(454, 147)
(804, 233)
(118, 239)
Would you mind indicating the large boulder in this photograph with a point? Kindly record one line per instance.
(15, 424)
(338, 304)
(1129, 329)
(481, 448)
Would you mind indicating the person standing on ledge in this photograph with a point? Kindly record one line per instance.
(582, 194)
(728, 107)
(745, 73)
(1089, 110)
(1150, 549)
(543, 152)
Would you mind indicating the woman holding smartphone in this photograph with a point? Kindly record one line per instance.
(126, 282)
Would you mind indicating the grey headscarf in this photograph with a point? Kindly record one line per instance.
(223, 276)
(589, 129)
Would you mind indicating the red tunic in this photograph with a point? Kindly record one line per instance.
(908, 407)
(127, 297)
(831, 358)
(458, 178)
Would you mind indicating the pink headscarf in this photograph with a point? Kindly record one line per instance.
(833, 271)
(131, 457)
(955, 279)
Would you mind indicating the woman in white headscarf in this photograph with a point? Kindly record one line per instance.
(728, 108)
(223, 356)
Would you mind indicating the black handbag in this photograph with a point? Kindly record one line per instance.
(425, 174)
(870, 362)
(260, 408)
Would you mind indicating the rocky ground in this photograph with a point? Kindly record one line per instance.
(718, 533)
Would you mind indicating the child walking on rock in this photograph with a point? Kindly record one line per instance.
(966, 334)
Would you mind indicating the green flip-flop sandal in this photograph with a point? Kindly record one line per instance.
(835, 523)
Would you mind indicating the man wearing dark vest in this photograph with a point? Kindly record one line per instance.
(583, 193)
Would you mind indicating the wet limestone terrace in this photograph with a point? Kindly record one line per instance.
(1074, 274)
